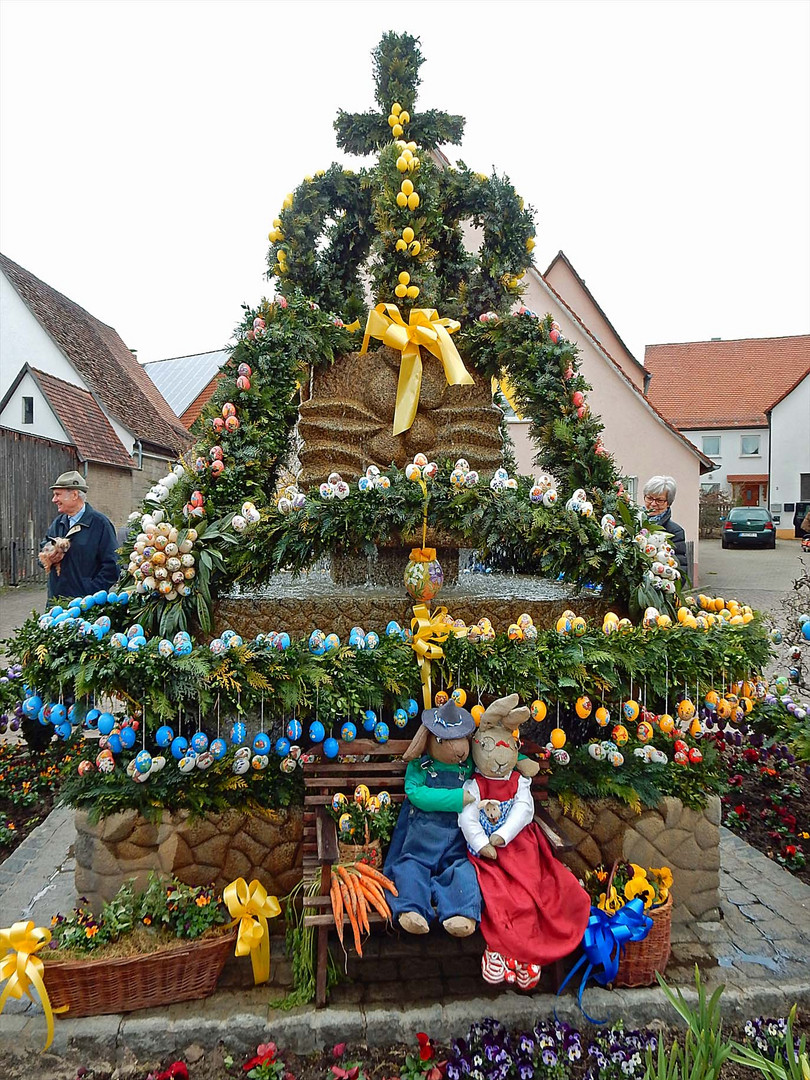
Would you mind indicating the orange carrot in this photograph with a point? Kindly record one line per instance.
(376, 901)
(337, 906)
(375, 875)
(362, 913)
(345, 877)
(347, 903)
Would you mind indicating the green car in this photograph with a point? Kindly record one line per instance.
(749, 525)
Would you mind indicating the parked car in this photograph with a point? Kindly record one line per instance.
(749, 525)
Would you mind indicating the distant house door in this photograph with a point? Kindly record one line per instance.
(804, 481)
(750, 494)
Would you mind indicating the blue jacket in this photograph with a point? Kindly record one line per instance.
(91, 563)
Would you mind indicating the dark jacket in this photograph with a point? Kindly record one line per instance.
(678, 540)
(91, 563)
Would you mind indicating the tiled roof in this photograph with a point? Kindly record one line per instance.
(748, 478)
(789, 390)
(181, 378)
(724, 384)
(102, 359)
(84, 421)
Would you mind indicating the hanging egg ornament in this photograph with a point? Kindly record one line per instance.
(477, 711)
(459, 696)
(199, 742)
(164, 735)
(666, 723)
(620, 734)
(218, 748)
(583, 707)
(423, 575)
(686, 710)
(143, 761)
(243, 383)
(261, 743)
(381, 732)
(238, 733)
(317, 732)
(179, 746)
(331, 748)
(287, 765)
(631, 710)
(369, 720)
(557, 738)
(602, 716)
(348, 732)
(644, 731)
(538, 711)
(440, 698)
(401, 716)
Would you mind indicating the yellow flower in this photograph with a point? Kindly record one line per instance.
(91, 931)
(638, 871)
(202, 901)
(601, 875)
(639, 886)
(610, 903)
(664, 876)
(147, 920)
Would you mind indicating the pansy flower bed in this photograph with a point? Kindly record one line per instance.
(29, 785)
(768, 801)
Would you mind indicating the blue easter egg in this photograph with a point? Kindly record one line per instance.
(44, 716)
(114, 743)
(127, 737)
(393, 628)
(199, 742)
(219, 748)
(106, 722)
(331, 748)
(348, 732)
(238, 733)
(73, 714)
(283, 640)
(261, 743)
(316, 731)
(32, 705)
(372, 640)
(143, 761)
(225, 636)
(184, 648)
(104, 621)
(332, 642)
(118, 639)
(123, 598)
(45, 621)
(806, 631)
(100, 597)
(136, 630)
(776, 637)
(58, 713)
(400, 718)
(412, 708)
(179, 747)
(112, 597)
(164, 735)
(86, 603)
(234, 642)
(381, 732)
(135, 644)
(282, 746)
(294, 730)
(98, 632)
(370, 718)
(64, 730)
(57, 609)
(91, 717)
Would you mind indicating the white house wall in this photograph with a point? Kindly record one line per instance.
(790, 449)
(730, 462)
(23, 340)
(641, 443)
(45, 424)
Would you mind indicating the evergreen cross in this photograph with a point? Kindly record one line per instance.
(397, 60)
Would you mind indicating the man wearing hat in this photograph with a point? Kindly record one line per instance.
(80, 548)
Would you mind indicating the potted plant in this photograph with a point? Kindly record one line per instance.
(168, 943)
(611, 889)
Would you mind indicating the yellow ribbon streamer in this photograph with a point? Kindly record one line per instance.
(508, 391)
(428, 630)
(251, 907)
(22, 970)
(424, 327)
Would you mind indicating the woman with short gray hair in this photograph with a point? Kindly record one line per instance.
(659, 495)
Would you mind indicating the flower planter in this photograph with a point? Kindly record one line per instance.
(641, 959)
(92, 987)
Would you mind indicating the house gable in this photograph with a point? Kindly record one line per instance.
(45, 423)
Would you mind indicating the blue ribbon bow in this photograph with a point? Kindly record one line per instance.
(603, 943)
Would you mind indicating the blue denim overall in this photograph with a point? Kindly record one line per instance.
(427, 860)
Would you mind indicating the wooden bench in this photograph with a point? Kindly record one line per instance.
(380, 767)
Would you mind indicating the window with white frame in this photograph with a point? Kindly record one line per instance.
(711, 445)
(631, 486)
(749, 446)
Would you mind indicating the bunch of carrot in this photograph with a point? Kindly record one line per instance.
(355, 888)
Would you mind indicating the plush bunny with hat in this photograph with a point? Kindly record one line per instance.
(535, 910)
(427, 858)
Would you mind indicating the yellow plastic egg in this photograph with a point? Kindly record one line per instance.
(644, 731)
(563, 625)
(402, 200)
(477, 712)
(373, 804)
(686, 710)
(514, 632)
(440, 698)
(664, 622)
(579, 626)
(666, 723)
(345, 824)
(557, 738)
(406, 187)
(620, 734)
(338, 800)
(361, 794)
(460, 696)
(583, 706)
(407, 234)
(539, 711)
(631, 710)
(602, 716)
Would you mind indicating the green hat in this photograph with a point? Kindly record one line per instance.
(70, 481)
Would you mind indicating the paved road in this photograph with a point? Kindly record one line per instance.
(16, 604)
(754, 576)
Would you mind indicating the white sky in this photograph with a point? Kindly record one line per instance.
(146, 147)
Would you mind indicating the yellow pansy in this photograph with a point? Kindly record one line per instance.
(639, 886)
(611, 902)
(664, 876)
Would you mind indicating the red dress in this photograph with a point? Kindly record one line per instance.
(535, 910)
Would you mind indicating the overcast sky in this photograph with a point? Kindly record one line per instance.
(147, 146)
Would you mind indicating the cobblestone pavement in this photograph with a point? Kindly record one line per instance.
(759, 950)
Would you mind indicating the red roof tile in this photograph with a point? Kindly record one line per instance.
(84, 421)
(746, 478)
(724, 384)
(103, 361)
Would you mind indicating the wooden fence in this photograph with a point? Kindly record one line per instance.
(712, 508)
(28, 467)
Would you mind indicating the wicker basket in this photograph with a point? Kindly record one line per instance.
(641, 959)
(92, 987)
(370, 853)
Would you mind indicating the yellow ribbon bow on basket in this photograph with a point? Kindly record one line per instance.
(251, 907)
(428, 630)
(424, 327)
(22, 971)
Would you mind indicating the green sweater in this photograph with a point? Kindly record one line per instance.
(429, 798)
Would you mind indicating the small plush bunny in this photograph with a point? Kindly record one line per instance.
(427, 858)
(53, 553)
(534, 910)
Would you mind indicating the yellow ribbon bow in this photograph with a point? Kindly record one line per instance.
(424, 327)
(428, 632)
(251, 907)
(23, 971)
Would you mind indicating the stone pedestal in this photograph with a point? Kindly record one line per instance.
(212, 850)
(687, 841)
